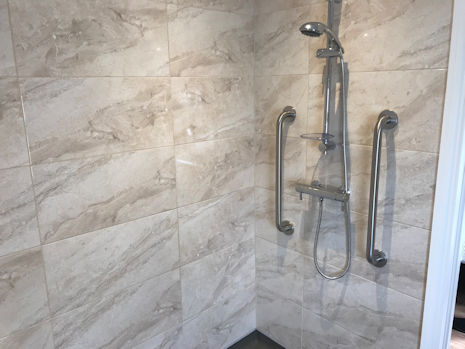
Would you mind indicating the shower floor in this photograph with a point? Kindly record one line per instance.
(256, 340)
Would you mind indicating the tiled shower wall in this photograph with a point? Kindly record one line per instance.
(397, 59)
(126, 180)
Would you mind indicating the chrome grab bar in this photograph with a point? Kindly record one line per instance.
(387, 120)
(288, 113)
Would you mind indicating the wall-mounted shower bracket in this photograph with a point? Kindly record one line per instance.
(323, 191)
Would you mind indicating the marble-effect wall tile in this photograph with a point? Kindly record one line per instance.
(418, 103)
(266, 6)
(124, 319)
(18, 223)
(214, 278)
(237, 6)
(79, 196)
(37, 337)
(7, 62)
(105, 38)
(215, 224)
(395, 35)
(103, 262)
(119, 114)
(12, 135)
(211, 108)
(22, 286)
(208, 169)
(210, 43)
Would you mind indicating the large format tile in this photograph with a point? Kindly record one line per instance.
(12, 135)
(102, 38)
(406, 187)
(294, 154)
(272, 94)
(209, 43)
(37, 337)
(279, 319)
(417, 97)
(318, 333)
(100, 263)
(212, 225)
(214, 278)
(78, 196)
(293, 210)
(18, 223)
(237, 6)
(279, 271)
(124, 319)
(394, 34)
(211, 108)
(23, 300)
(266, 6)
(119, 114)
(208, 169)
(7, 62)
(381, 315)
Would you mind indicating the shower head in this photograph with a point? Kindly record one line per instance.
(316, 29)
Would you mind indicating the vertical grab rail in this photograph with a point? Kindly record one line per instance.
(387, 120)
(283, 226)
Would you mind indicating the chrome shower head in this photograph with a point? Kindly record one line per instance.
(316, 29)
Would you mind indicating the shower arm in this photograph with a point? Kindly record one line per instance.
(387, 120)
(283, 226)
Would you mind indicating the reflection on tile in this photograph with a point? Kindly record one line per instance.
(7, 62)
(214, 224)
(406, 201)
(392, 34)
(37, 337)
(209, 43)
(279, 271)
(272, 94)
(364, 308)
(208, 169)
(106, 261)
(107, 38)
(12, 136)
(126, 318)
(293, 164)
(22, 285)
(18, 224)
(418, 103)
(75, 197)
(320, 333)
(120, 114)
(211, 108)
(214, 278)
(238, 6)
(279, 319)
(217, 327)
(294, 210)
(280, 49)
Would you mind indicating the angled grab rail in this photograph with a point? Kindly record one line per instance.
(288, 114)
(387, 120)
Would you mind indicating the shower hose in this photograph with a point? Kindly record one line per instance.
(345, 188)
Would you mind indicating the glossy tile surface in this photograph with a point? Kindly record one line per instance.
(7, 63)
(214, 278)
(124, 319)
(75, 197)
(109, 38)
(211, 108)
(24, 299)
(12, 136)
(208, 169)
(106, 261)
(209, 43)
(393, 34)
(215, 224)
(18, 223)
(237, 6)
(119, 114)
